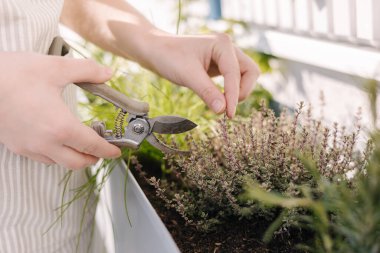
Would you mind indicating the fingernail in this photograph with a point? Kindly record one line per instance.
(217, 106)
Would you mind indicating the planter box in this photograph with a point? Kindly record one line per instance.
(146, 233)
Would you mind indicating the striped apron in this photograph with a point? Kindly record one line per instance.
(30, 192)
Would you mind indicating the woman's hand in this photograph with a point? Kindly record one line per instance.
(190, 61)
(34, 120)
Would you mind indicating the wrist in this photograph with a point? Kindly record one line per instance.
(143, 46)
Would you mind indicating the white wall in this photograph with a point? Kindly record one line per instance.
(293, 82)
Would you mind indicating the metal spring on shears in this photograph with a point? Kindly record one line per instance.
(119, 124)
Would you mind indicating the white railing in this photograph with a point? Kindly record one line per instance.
(351, 21)
(340, 35)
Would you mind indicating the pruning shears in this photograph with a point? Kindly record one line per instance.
(139, 126)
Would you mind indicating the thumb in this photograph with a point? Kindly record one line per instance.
(84, 70)
(202, 85)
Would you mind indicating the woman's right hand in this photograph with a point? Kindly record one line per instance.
(34, 120)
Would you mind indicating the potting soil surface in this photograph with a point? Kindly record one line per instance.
(232, 237)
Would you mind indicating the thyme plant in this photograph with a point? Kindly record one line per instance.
(204, 188)
(345, 215)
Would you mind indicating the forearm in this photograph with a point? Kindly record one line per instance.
(113, 25)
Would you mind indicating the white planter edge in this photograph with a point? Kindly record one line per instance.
(146, 233)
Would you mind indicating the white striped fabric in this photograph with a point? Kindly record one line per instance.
(30, 192)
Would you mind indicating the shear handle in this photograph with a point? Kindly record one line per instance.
(117, 98)
(61, 48)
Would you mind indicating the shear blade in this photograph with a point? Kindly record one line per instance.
(171, 124)
(164, 148)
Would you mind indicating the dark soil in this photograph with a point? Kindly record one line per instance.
(232, 237)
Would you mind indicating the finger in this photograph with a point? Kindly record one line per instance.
(249, 74)
(85, 140)
(224, 56)
(83, 70)
(202, 85)
(70, 158)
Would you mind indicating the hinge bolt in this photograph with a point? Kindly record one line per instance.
(138, 128)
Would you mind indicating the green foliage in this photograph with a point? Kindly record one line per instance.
(88, 193)
(345, 219)
(345, 215)
(262, 59)
(205, 187)
(254, 101)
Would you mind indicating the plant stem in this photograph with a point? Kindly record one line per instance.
(179, 15)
